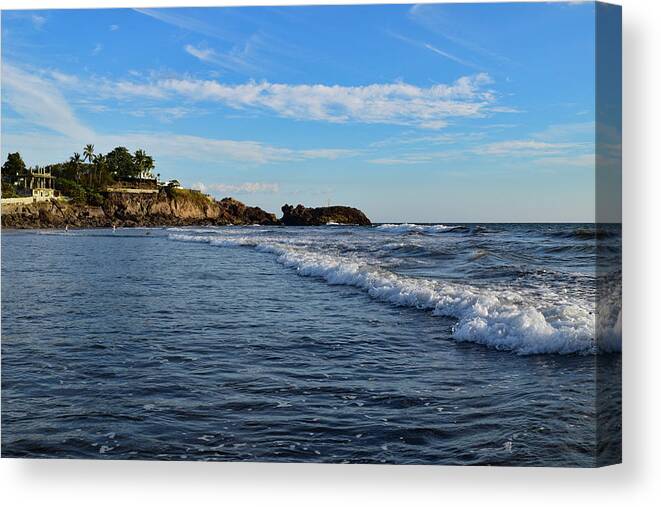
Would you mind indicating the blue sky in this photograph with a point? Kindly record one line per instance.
(437, 113)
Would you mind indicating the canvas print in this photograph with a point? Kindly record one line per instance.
(384, 234)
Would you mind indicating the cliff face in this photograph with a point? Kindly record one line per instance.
(167, 208)
(300, 215)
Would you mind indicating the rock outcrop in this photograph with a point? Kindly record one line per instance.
(166, 208)
(300, 215)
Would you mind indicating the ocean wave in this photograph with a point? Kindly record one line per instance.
(500, 318)
(412, 228)
(584, 233)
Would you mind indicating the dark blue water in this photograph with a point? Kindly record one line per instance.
(421, 345)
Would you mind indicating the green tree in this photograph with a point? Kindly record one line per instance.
(143, 163)
(120, 163)
(88, 153)
(71, 189)
(14, 168)
(74, 163)
(101, 172)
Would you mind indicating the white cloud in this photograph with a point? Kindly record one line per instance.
(547, 154)
(417, 158)
(391, 103)
(567, 132)
(233, 60)
(65, 79)
(211, 150)
(238, 188)
(405, 160)
(40, 148)
(407, 138)
(174, 18)
(113, 28)
(437, 19)
(204, 54)
(398, 103)
(525, 147)
(39, 102)
(433, 49)
(97, 49)
(38, 21)
(163, 114)
(127, 89)
(37, 99)
(254, 54)
(585, 160)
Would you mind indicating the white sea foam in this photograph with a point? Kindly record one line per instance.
(407, 228)
(501, 318)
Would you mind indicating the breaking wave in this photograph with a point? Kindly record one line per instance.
(524, 322)
(412, 228)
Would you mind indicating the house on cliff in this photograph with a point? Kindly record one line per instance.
(36, 185)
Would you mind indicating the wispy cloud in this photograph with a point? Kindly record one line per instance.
(175, 18)
(416, 158)
(586, 160)
(433, 49)
(567, 132)
(435, 19)
(254, 55)
(525, 147)
(233, 60)
(405, 139)
(113, 28)
(40, 102)
(166, 145)
(97, 48)
(38, 21)
(388, 103)
(238, 188)
(396, 103)
(204, 54)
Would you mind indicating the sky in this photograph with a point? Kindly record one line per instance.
(418, 113)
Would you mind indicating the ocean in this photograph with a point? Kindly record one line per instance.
(454, 344)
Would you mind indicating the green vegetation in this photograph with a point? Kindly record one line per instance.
(196, 197)
(13, 170)
(82, 178)
(8, 190)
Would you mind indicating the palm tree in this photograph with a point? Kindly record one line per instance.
(88, 152)
(148, 166)
(98, 161)
(143, 162)
(75, 160)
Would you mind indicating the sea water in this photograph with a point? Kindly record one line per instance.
(397, 343)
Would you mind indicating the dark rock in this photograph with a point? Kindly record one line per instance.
(246, 214)
(166, 208)
(300, 215)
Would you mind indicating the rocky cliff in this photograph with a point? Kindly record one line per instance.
(171, 207)
(300, 215)
(166, 208)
